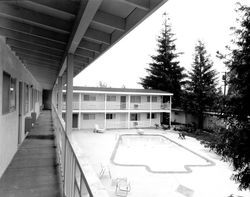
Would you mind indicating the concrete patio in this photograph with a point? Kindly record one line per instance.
(206, 181)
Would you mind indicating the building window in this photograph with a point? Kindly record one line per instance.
(110, 116)
(9, 94)
(26, 98)
(134, 117)
(154, 99)
(88, 116)
(153, 116)
(87, 97)
(111, 98)
(148, 115)
(148, 99)
(135, 99)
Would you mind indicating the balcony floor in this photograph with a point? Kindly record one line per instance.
(33, 170)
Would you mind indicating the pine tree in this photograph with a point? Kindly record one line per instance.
(201, 86)
(164, 73)
(233, 142)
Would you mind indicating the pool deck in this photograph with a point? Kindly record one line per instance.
(205, 181)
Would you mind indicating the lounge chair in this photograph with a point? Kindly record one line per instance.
(182, 136)
(122, 187)
(98, 130)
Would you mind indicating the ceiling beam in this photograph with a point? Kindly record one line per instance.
(35, 48)
(85, 53)
(97, 36)
(62, 5)
(35, 53)
(35, 18)
(91, 46)
(82, 22)
(109, 20)
(141, 4)
(33, 30)
(37, 59)
(39, 64)
(81, 59)
(31, 39)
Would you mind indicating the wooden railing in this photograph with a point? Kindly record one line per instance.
(74, 181)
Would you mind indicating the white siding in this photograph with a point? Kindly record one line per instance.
(9, 122)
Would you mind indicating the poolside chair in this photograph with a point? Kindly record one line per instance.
(122, 187)
(182, 136)
(104, 170)
(98, 130)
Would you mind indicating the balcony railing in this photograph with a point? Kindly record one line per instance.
(117, 106)
(75, 183)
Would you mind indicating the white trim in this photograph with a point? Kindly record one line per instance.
(121, 93)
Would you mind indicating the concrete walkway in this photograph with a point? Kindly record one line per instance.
(33, 170)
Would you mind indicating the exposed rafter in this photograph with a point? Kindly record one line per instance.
(141, 4)
(33, 30)
(91, 46)
(32, 47)
(97, 36)
(27, 16)
(83, 19)
(31, 39)
(109, 20)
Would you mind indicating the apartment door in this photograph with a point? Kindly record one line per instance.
(20, 111)
(75, 121)
(123, 102)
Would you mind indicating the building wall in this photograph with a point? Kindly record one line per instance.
(9, 121)
(120, 121)
(90, 124)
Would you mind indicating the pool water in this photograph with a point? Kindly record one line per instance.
(157, 154)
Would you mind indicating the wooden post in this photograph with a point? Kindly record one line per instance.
(69, 92)
(170, 108)
(105, 111)
(60, 87)
(129, 96)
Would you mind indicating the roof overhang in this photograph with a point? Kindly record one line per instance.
(42, 32)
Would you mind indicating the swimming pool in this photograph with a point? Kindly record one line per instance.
(156, 153)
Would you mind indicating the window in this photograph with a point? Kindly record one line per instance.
(135, 99)
(89, 97)
(88, 116)
(148, 99)
(134, 117)
(9, 94)
(153, 115)
(26, 98)
(110, 116)
(148, 115)
(111, 98)
(154, 99)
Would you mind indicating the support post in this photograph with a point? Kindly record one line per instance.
(105, 111)
(69, 92)
(170, 108)
(60, 88)
(129, 96)
(150, 110)
(79, 111)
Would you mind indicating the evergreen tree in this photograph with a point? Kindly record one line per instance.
(164, 73)
(201, 86)
(233, 142)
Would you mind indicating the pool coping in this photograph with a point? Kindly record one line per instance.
(187, 167)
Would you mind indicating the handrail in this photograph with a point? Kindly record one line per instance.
(74, 180)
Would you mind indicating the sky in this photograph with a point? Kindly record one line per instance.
(125, 63)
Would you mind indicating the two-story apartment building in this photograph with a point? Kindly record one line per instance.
(119, 107)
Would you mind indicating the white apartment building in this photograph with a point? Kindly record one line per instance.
(112, 108)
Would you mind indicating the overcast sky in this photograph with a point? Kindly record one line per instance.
(192, 20)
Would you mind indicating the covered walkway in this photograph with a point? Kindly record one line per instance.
(33, 171)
